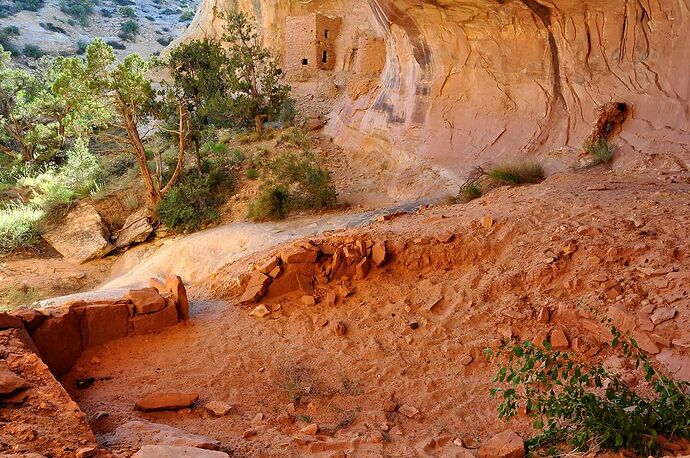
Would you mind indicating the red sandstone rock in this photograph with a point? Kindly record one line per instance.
(32, 318)
(504, 445)
(59, 341)
(166, 401)
(298, 254)
(102, 323)
(151, 322)
(10, 383)
(159, 285)
(378, 253)
(8, 321)
(559, 341)
(146, 300)
(179, 292)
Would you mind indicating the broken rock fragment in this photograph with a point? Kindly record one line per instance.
(507, 444)
(147, 300)
(166, 401)
(10, 383)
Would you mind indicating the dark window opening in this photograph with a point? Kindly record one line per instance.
(324, 59)
(325, 33)
(305, 61)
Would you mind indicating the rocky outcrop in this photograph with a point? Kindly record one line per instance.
(81, 236)
(471, 81)
(136, 229)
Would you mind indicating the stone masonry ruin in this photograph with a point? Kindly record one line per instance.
(311, 47)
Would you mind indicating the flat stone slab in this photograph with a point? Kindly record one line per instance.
(138, 433)
(166, 401)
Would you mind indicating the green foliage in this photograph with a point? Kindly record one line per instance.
(81, 171)
(164, 41)
(129, 30)
(599, 151)
(78, 9)
(18, 226)
(255, 84)
(297, 137)
(16, 295)
(471, 190)
(187, 15)
(33, 51)
(127, 12)
(252, 173)
(516, 173)
(584, 405)
(10, 7)
(271, 204)
(237, 156)
(7, 36)
(116, 45)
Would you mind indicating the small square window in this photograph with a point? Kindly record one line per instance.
(305, 61)
(324, 59)
(325, 33)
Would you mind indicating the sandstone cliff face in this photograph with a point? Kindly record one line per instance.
(472, 81)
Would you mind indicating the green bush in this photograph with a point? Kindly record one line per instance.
(586, 406)
(516, 173)
(187, 15)
(471, 191)
(308, 182)
(192, 202)
(600, 151)
(116, 44)
(33, 51)
(18, 226)
(252, 173)
(128, 12)
(129, 30)
(237, 157)
(271, 204)
(81, 171)
(78, 9)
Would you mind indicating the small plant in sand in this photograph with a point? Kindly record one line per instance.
(599, 151)
(587, 406)
(515, 173)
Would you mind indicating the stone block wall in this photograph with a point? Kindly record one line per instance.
(309, 45)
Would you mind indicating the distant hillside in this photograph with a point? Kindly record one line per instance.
(31, 28)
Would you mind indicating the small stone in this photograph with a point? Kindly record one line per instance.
(10, 383)
(579, 345)
(261, 311)
(504, 445)
(662, 314)
(86, 452)
(559, 341)
(396, 431)
(377, 437)
(166, 401)
(308, 300)
(258, 419)
(269, 265)
(249, 433)
(100, 415)
(284, 419)
(466, 360)
(487, 221)
(218, 408)
(340, 329)
(95, 360)
(408, 410)
(310, 430)
(384, 427)
(540, 338)
(544, 315)
(275, 273)
(390, 405)
(146, 300)
(378, 253)
(414, 325)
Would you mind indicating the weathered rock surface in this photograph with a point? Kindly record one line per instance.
(146, 300)
(138, 433)
(136, 229)
(81, 236)
(160, 451)
(503, 445)
(166, 401)
(10, 383)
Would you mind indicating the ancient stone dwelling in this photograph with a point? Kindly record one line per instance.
(310, 45)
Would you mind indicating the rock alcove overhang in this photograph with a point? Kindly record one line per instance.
(472, 81)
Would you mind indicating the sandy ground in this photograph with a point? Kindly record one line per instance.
(410, 323)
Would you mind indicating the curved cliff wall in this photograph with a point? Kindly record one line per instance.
(472, 81)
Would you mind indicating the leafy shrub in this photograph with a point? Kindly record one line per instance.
(14, 6)
(308, 182)
(271, 204)
(116, 44)
(600, 151)
(252, 173)
(18, 226)
(33, 51)
(128, 12)
(81, 46)
(187, 15)
(471, 190)
(587, 405)
(296, 137)
(81, 170)
(237, 157)
(129, 30)
(517, 173)
(78, 9)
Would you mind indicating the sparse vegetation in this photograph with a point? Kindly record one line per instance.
(516, 173)
(587, 405)
(16, 295)
(129, 30)
(18, 226)
(33, 51)
(78, 9)
(599, 151)
(10, 7)
(271, 204)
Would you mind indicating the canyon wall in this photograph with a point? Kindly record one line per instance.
(466, 82)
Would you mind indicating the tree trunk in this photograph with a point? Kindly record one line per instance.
(259, 124)
(199, 167)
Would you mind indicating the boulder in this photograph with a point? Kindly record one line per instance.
(136, 229)
(218, 408)
(299, 254)
(662, 314)
(504, 445)
(146, 300)
(10, 383)
(159, 284)
(179, 292)
(378, 253)
(166, 401)
(81, 236)
(163, 451)
(256, 288)
(269, 265)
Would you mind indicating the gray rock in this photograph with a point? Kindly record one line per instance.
(136, 229)
(81, 236)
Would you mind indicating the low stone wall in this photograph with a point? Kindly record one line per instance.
(62, 332)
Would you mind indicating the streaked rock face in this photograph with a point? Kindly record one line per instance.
(471, 81)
